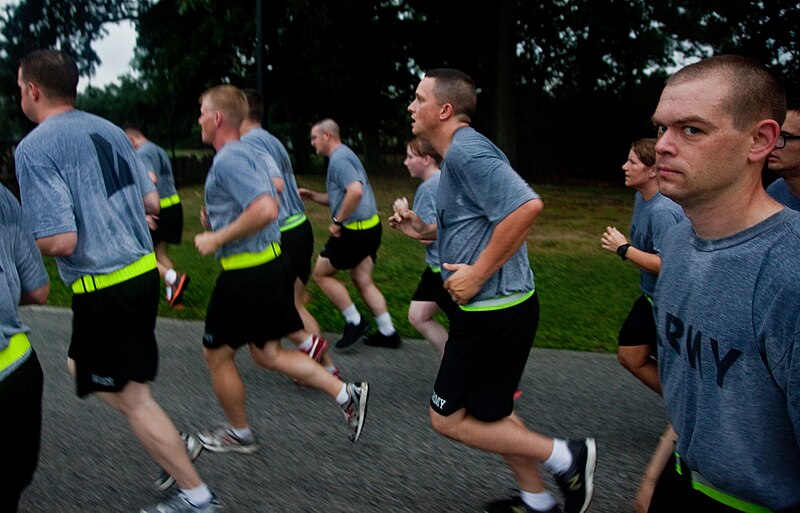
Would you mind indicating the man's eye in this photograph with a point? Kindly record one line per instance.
(690, 130)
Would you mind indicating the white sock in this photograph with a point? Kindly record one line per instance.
(305, 346)
(199, 496)
(384, 322)
(561, 459)
(243, 433)
(351, 315)
(331, 368)
(170, 277)
(343, 396)
(539, 501)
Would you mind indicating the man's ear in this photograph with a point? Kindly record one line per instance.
(765, 134)
(446, 111)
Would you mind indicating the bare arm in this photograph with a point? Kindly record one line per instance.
(36, 296)
(506, 239)
(316, 197)
(409, 223)
(612, 239)
(279, 185)
(258, 214)
(58, 245)
(152, 203)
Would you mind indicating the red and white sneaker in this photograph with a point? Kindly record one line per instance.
(318, 348)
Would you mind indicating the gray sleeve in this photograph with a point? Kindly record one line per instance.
(46, 199)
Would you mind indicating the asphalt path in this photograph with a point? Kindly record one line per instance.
(90, 462)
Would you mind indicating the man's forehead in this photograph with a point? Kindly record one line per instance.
(699, 98)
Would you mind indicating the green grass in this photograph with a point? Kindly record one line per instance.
(585, 292)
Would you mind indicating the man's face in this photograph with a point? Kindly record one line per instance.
(26, 102)
(207, 123)
(637, 173)
(424, 109)
(320, 140)
(699, 153)
(787, 159)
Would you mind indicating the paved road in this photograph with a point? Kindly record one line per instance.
(91, 463)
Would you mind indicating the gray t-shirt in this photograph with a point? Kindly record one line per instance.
(234, 181)
(729, 356)
(290, 202)
(477, 190)
(344, 168)
(79, 173)
(21, 270)
(650, 222)
(779, 190)
(425, 207)
(155, 159)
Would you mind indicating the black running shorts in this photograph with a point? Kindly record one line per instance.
(21, 404)
(252, 305)
(298, 245)
(483, 361)
(113, 334)
(639, 328)
(352, 247)
(431, 288)
(170, 225)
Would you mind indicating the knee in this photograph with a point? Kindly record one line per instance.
(441, 424)
(416, 319)
(267, 356)
(630, 360)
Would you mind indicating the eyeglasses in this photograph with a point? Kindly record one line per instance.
(783, 139)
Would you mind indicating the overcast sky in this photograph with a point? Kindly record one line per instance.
(115, 52)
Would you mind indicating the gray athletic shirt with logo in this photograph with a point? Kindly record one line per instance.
(79, 173)
(155, 159)
(650, 222)
(425, 207)
(290, 201)
(729, 358)
(477, 190)
(344, 168)
(21, 270)
(234, 181)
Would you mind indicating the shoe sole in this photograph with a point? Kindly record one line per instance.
(165, 480)
(362, 410)
(591, 464)
(342, 343)
(179, 289)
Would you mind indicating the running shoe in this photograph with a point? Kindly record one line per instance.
(318, 348)
(577, 483)
(193, 448)
(223, 439)
(516, 505)
(378, 339)
(181, 283)
(352, 333)
(179, 504)
(355, 410)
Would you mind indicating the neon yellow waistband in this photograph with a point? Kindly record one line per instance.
(102, 281)
(703, 486)
(18, 347)
(170, 200)
(246, 260)
(435, 268)
(365, 224)
(498, 303)
(293, 222)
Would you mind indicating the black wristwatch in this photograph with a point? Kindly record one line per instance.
(623, 250)
(337, 222)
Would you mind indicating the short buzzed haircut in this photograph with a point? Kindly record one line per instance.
(645, 149)
(229, 100)
(255, 104)
(755, 92)
(456, 88)
(53, 71)
(329, 126)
